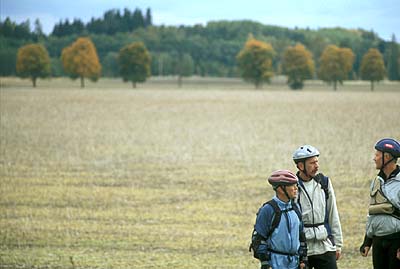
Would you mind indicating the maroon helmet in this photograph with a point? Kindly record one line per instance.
(282, 178)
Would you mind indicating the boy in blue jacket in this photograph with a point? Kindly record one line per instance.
(278, 241)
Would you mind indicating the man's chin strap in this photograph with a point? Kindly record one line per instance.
(304, 170)
(383, 161)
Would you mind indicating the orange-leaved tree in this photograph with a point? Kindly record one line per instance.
(33, 61)
(134, 61)
(255, 61)
(372, 67)
(335, 64)
(80, 60)
(297, 65)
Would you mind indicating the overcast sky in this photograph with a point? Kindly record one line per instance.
(381, 16)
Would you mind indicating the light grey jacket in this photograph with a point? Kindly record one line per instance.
(382, 225)
(313, 212)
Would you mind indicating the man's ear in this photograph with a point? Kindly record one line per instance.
(387, 156)
(300, 166)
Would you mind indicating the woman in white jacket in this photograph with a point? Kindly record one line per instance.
(319, 211)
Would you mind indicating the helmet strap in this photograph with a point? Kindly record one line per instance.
(304, 168)
(284, 190)
(383, 161)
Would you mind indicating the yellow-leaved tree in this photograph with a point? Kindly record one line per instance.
(80, 60)
(255, 61)
(335, 64)
(372, 67)
(33, 61)
(297, 65)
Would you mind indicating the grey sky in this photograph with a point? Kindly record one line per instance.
(381, 16)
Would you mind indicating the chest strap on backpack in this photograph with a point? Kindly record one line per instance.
(313, 225)
(282, 252)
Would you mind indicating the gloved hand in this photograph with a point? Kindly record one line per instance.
(265, 265)
(303, 264)
(364, 248)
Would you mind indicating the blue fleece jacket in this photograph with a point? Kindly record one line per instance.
(284, 239)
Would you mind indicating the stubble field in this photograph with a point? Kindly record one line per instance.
(160, 177)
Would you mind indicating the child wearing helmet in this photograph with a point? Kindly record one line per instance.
(317, 200)
(383, 223)
(277, 235)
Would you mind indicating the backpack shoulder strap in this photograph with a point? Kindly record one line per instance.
(297, 210)
(277, 216)
(278, 213)
(256, 238)
(324, 181)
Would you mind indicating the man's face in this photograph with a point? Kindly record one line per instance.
(378, 159)
(312, 166)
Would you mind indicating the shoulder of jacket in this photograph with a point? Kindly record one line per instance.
(267, 208)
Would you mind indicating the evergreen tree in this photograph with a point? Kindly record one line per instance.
(138, 19)
(38, 31)
(148, 20)
(393, 60)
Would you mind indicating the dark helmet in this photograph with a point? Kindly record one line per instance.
(389, 145)
(282, 178)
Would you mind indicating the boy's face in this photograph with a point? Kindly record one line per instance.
(291, 191)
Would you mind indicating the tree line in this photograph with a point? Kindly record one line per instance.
(80, 60)
(208, 50)
(113, 22)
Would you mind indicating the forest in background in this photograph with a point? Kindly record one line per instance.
(201, 50)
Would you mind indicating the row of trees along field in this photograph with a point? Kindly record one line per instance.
(80, 60)
(208, 50)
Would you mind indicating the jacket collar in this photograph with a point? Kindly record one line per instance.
(392, 175)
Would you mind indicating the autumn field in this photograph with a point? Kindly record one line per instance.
(165, 177)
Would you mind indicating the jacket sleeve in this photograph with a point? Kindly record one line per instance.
(391, 189)
(334, 220)
(263, 225)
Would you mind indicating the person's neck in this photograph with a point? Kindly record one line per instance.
(304, 177)
(389, 168)
(282, 197)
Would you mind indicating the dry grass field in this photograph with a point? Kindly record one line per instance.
(160, 177)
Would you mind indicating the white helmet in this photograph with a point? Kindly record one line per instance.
(304, 152)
